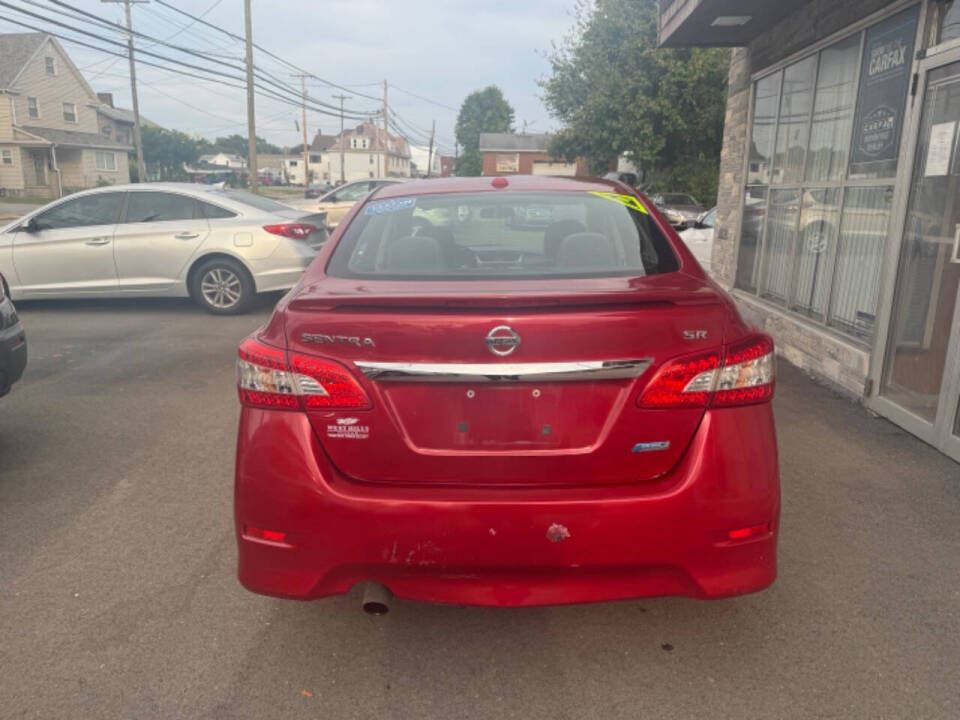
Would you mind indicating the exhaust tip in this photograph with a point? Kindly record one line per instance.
(376, 599)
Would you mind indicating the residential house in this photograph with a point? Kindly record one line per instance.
(420, 156)
(448, 165)
(368, 152)
(525, 154)
(224, 160)
(294, 170)
(51, 123)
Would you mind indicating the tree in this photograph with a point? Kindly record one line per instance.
(166, 151)
(617, 93)
(238, 145)
(485, 110)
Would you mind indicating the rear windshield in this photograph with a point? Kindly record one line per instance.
(247, 198)
(499, 235)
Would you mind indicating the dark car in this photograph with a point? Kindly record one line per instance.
(680, 209)
(317, 190)
(13, 342)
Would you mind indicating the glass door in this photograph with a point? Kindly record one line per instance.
(920, 378)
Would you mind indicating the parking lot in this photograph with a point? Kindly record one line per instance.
(118, 596)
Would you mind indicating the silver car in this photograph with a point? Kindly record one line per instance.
(218, 246)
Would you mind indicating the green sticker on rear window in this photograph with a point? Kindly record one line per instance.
(629, 200)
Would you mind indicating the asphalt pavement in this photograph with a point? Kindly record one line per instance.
(118, 596)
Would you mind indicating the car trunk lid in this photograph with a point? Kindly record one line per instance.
(535, 386)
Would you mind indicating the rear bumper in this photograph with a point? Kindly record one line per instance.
(13, 347)
(509, 547)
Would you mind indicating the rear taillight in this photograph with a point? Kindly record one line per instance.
(297, 231)
(743, 375)
(265, 379)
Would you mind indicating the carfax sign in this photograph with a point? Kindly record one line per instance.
(884, 82)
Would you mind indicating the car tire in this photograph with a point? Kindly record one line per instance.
(222, 287)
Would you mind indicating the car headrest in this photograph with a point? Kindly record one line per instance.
(413, 254)
(555, 233)
(586, 250)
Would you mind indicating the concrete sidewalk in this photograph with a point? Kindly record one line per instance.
(119, 598)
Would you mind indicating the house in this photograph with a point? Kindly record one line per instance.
(52, 136)
(419, 159)
(837, 214)
(223, 160)
(294, 170)
(525, 154)
(448, 165)
(368, 152)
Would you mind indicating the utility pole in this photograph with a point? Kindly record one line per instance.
(137, 138)
(303, 125)
(386, 134)
(251, 115)
(341, 98)
(433, 129)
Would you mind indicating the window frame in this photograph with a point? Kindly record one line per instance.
(6, 157)
(98, 154)
(50, 65)
(845, 182)
(35, 108)
(76, 118)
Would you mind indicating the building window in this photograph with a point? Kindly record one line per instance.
(353, 143)
(6, 157)
(106, 160)
(69, 112)
(823, 149)
(314, 158)
(106, 131)
(33, 110)
(293, 163)
(371, 159)
(50, 65)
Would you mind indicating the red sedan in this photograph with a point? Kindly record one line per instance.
(512, 391)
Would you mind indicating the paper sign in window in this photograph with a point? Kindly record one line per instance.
(938, 151)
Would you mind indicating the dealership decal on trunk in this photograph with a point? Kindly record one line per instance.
(629, 200)
(321, 339)
(348, 428)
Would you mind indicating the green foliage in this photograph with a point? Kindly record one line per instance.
(165, 152)
(238, 145)
(617, 93)
(483, 111)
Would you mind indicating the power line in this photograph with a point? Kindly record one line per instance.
(261, 49)
(261, 90)
(290, 94)
(426, 100)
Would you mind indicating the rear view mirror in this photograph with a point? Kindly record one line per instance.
(30, 226)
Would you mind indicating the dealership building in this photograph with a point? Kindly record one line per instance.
(838, 223)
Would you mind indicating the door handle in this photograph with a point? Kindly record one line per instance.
(186, 236)
(97, 241)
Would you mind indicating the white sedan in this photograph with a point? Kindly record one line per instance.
(699, 238)
(218, 246)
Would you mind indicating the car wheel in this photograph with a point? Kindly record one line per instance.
(222, 287)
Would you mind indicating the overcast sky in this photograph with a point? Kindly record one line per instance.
(439, 49)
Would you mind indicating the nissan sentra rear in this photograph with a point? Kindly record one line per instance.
(459, 404)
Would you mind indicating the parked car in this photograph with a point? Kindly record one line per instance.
(317, 190)
(337, 203)
(470, 413)
(680, 210)
(699, 238)
(13, 342)
(219, 246)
